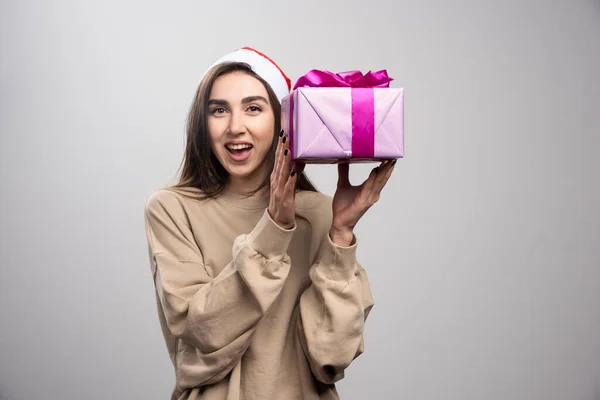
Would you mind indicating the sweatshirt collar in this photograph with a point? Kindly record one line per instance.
(259, 200)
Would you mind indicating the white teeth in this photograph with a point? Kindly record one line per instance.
(238, 146)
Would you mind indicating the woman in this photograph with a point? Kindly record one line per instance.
(258, 289)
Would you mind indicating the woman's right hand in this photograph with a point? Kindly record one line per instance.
(283, 185)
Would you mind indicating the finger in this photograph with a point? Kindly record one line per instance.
(381, 174)
(386, 164)
(388, 173)
(367, 185)
(278, 150)
(278, 159)
(383, 170)
(382, 180)
(388, 170)
(290, 185)
(343, 174)
(285, 163)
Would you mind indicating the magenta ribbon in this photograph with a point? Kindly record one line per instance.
(363, 102)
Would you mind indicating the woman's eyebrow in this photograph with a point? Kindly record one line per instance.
(251, 99)
(218, 102)
(245, 100)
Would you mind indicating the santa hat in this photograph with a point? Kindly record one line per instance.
(263, 66)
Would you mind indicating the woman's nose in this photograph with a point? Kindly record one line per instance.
(236, 124)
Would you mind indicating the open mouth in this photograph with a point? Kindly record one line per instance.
(238, 148)
(239, 152)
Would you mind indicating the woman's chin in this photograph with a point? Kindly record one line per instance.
(247, 170)
(242, 171)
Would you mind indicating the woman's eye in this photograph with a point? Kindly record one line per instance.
(254, 109)
(218, 110)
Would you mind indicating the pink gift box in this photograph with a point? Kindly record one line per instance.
(354, 124)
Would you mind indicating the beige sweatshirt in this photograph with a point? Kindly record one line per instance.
(248, 309)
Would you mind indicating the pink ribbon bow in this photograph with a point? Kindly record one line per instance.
(354, 79)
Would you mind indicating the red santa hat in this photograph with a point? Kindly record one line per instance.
(263, 66)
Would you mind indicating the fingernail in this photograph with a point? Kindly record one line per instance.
(284, 138)
(293, 172)
(285, 152)
(281, 133)
(394, 162)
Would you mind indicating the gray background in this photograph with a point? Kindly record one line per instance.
(483, 252)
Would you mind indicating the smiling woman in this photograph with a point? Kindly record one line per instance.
(205, 161)
(240, 126)
(258, 289)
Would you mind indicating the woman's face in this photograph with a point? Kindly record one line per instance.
(240, 125)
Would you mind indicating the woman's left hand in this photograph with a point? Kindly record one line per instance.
(350, 203)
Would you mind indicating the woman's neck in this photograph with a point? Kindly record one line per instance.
(244, 185)
(239, 188)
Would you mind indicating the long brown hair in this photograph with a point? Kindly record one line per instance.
(200, 168)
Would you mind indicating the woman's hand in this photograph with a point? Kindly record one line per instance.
(283, 186)
(350, 203)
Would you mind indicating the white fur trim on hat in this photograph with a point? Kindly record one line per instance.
(263, 66)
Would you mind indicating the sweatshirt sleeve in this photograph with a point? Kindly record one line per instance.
(333, 311)
(216, 315)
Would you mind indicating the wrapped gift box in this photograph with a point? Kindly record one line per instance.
(347, 117)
